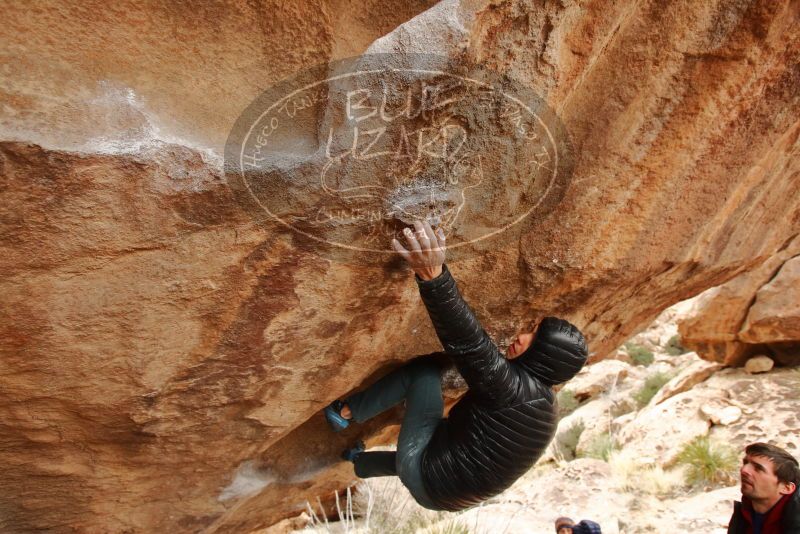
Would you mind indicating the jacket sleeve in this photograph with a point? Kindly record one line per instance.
(490, 376)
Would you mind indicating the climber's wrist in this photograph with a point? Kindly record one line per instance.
(428, 273)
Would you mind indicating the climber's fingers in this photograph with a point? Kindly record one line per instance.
(421, 234)
(436, 242)
(425, 248)
(400, 250)
(413, 244)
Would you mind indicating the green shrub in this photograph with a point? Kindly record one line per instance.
(621, 407)
(639, 354)
(708, 464)
(567, 441)
(674, 347)
(567, 403)
(651, 385)
(601, 447)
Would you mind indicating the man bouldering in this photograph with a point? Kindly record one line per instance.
(498, 429)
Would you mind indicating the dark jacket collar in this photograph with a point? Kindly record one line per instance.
(782, 518)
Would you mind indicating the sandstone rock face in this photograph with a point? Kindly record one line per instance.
(695, 373)
(762, 400)
(661, 431)
(598, 378)
(755, 312)
(164, 358)
(719, 414)
(774, 317)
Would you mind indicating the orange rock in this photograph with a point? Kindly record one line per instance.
(156, 341)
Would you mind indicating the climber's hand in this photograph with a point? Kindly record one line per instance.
(426, 249)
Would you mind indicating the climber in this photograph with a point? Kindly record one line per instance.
(498, 429)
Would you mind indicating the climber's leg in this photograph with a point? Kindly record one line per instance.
(375, 464)
(393, 388)
(419, 383)
(424, 409)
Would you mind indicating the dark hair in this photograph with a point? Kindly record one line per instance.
(786, 467)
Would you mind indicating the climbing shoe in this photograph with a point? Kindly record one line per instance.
(333, 413)
(352, 453)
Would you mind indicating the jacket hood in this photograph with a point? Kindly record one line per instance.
(557, 353)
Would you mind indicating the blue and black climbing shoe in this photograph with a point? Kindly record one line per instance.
(333, 413)
(352, 453)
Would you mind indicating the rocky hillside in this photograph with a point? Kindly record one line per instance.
(756, 313)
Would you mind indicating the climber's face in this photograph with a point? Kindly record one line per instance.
(522, 341)
(520, 344)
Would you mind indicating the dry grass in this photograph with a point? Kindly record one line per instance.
(383, 505)
(601, 447)
(630, 475)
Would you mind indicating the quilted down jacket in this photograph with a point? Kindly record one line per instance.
(503, 424)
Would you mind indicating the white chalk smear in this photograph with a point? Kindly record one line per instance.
(144, 132)
(309, 470)
(247, 480)
(111, 119)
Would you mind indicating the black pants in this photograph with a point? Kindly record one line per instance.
(419, 384)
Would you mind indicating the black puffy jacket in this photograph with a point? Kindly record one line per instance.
(503, 424)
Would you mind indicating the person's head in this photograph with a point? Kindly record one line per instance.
(564, 525)
(555, 352)
(586, 526)
(768, 472)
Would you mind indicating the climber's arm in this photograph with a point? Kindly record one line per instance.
(487, 372)
(478, 359)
